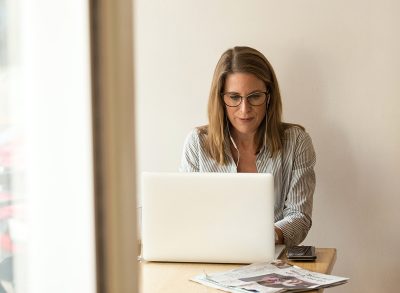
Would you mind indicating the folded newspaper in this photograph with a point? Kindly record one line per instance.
(268, 277)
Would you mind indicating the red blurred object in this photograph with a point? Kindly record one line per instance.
(6, 243)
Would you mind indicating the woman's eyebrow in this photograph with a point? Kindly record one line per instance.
(257, 91)
(252, 92)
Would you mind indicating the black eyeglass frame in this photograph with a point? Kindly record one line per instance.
(267, 98)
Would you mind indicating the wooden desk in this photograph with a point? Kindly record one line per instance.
(158, 277)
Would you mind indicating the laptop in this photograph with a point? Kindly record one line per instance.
(208, 217)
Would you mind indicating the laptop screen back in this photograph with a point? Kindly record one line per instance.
(208, 217)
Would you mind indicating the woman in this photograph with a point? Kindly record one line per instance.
(246, 134)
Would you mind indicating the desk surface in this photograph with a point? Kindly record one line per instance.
(157, 277)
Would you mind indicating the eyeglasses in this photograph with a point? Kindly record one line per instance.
(254, 99)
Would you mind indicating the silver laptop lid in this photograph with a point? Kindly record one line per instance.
(208, 217)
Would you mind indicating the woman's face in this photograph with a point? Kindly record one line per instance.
(245, 118)
(271, 280)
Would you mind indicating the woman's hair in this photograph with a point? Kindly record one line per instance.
(270, 131)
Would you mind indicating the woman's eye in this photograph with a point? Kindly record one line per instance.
(235, 98)
(255, 96)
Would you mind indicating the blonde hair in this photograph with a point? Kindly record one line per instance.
(270, 131)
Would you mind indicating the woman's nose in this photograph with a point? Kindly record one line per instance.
(245, 106)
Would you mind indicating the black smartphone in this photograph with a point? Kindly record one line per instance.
(301, 253)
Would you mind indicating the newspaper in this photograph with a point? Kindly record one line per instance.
(268, 277)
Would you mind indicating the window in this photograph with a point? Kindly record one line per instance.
(46, 168)
(13, 226)
(67, 215)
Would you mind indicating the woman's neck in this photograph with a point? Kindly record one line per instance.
(244, 141)
(244, 153)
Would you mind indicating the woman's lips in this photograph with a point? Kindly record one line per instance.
(248, 119)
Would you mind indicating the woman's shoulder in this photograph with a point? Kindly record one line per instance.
(197, 135)
(298, 143)
(199, 131)
(202, 130)
(294, 134)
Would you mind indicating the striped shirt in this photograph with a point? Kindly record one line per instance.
(293, 171)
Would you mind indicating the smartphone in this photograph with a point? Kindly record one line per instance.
(301, 253)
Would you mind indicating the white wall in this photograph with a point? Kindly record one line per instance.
(338, 67)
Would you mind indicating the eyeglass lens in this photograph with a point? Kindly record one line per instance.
(254, 99)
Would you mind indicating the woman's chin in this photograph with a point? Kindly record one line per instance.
(245, 130)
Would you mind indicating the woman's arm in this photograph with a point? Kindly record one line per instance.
(297, 211)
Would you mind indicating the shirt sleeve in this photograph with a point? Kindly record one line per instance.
(190, 154)
(297, 211)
